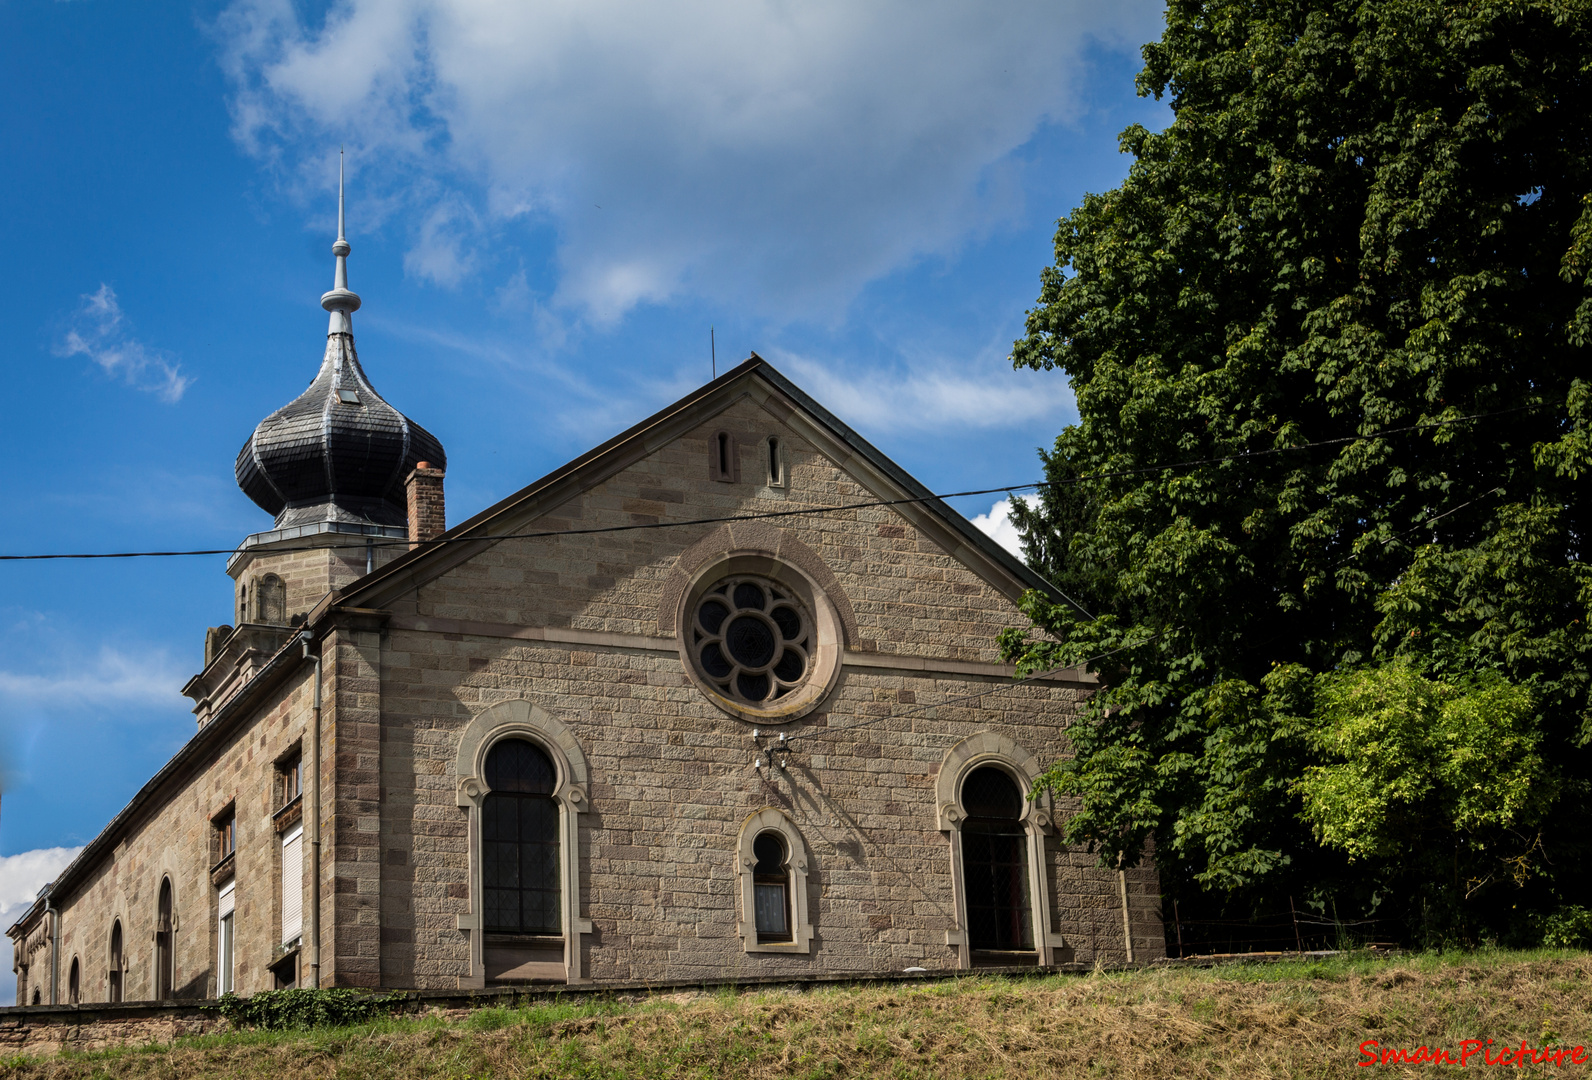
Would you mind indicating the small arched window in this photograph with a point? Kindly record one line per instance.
(995, 863)
(771, 888)
(519, 838)
(165, 922)
(115, 979)
(73, 982)
(771, 864)
(38, 998)
(270, 600)
(723, 465)
(776, 462)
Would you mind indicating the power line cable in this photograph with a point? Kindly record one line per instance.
(866, 504)
(1087, 661)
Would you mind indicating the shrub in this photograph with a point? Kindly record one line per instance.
(277, 1010)
(1569, 927)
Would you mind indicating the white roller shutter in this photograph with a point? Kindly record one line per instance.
(293, 885)
(225, 933)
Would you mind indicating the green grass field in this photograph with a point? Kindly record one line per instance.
(1287, 1019)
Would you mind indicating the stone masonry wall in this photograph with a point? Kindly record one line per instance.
(915, 598)
(309, 573)
(671, 774)
(174, 840)
(672, 782)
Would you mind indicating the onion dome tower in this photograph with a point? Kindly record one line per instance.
(335, 458)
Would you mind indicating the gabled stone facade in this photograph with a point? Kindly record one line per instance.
(686, 827)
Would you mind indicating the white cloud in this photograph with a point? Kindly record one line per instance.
(997, 524)
(440, 253)
(21, 878)
(931, 394)
(774, 154)
(96, 331)
(111, 678)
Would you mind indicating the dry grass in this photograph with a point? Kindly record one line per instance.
(1298, 1019)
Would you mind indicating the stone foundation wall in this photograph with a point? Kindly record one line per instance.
(49, 1029)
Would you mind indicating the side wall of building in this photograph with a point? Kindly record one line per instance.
(174, 841)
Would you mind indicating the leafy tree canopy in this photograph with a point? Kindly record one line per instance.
(1326, 494)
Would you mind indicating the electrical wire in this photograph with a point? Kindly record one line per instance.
(765, 515)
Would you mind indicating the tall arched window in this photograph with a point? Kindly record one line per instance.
(519, 839)
(115, 979)
(73, 983)
(995, 863)
(164, 958)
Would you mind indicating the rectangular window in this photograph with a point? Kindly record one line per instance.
(772, 911)
(226, 835)
(290, 780)
(995, 871)
(520, 864)
(225, 923)
(293, 885)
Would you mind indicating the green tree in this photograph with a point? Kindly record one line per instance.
(1366, 222)
(1417, 767)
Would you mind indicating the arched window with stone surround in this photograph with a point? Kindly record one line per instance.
(998, 839)
(486, 759)
(772, 868)
(114, 980)
(519, 841)
(165, 954)
(74, 983)
(995, 863)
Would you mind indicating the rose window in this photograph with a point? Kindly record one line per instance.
(752, 640)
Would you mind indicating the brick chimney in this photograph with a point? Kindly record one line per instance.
(427, 517)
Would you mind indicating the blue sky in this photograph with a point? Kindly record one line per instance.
(549, 206)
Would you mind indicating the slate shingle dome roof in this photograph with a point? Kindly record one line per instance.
(337, 452)
(322, 457)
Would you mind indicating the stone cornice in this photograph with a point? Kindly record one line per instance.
(602, 639)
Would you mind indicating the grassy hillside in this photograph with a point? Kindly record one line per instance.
(1262, 1020)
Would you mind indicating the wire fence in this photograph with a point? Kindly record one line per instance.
(1282, 931)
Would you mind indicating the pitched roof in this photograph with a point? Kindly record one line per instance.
(598, 463)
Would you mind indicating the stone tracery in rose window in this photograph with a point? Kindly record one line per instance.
(752, 640)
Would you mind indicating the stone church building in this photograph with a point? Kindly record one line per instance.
(718, 699)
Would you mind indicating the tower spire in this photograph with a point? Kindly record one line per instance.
(340, 302)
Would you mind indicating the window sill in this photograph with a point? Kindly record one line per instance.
(1005, 958)
(225, 870)
(800, 948)
(502, 937)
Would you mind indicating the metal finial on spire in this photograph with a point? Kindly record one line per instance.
(340, 302)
